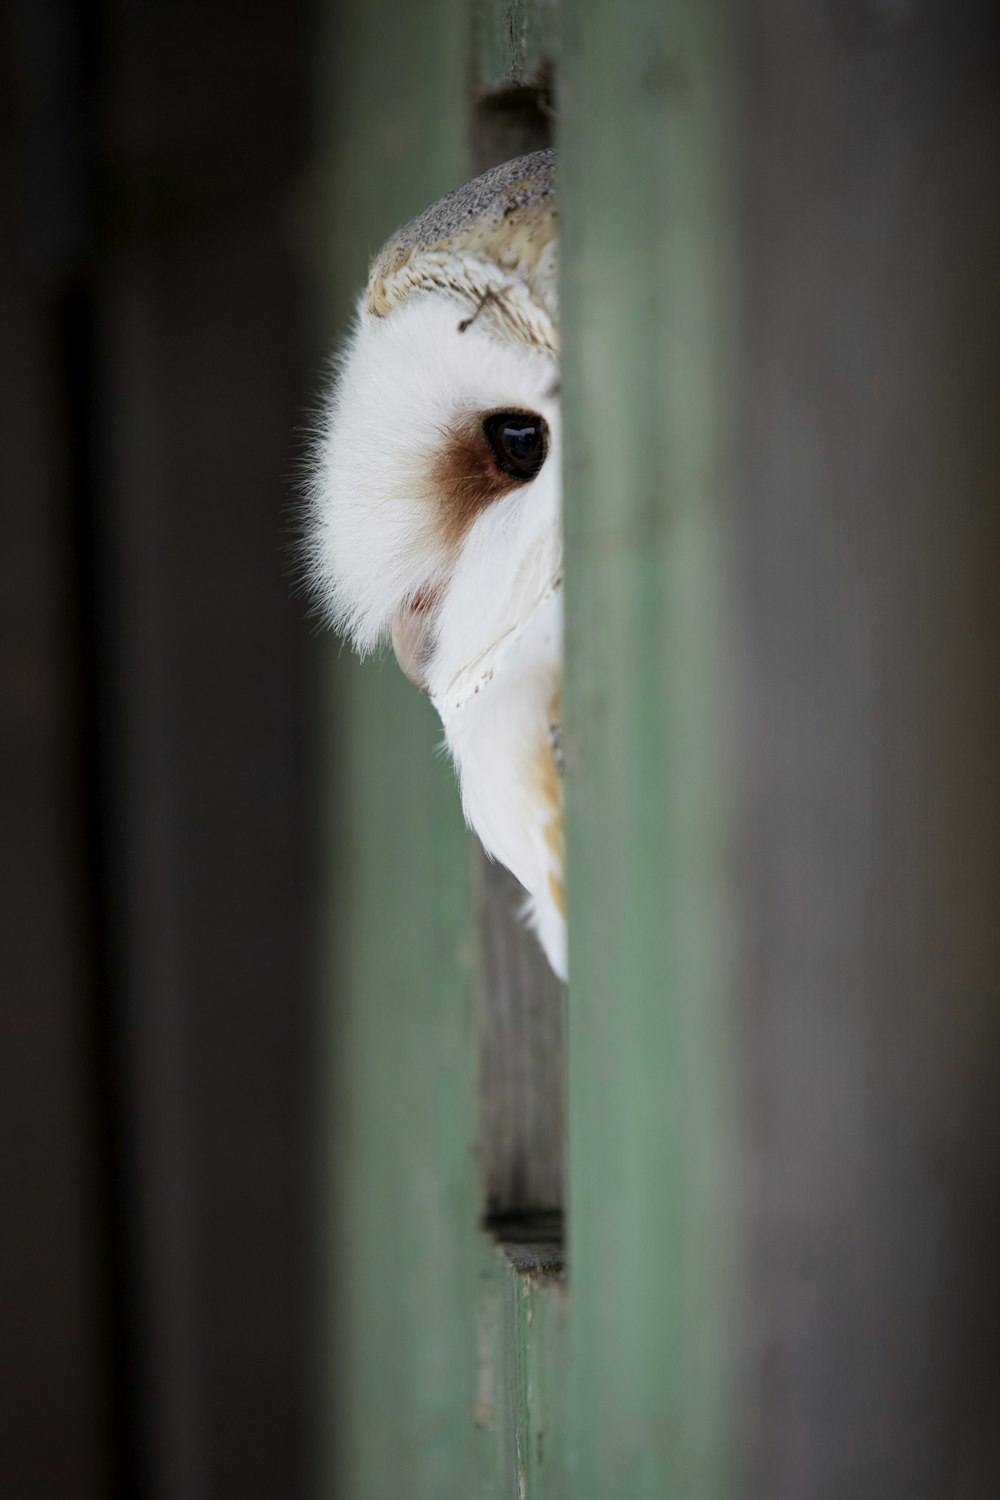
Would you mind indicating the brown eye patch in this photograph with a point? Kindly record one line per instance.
(483, 458)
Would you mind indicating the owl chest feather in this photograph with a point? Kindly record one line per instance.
(503, 740)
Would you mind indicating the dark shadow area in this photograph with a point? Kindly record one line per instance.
(158, 881)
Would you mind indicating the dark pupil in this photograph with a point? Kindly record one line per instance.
(518, 441)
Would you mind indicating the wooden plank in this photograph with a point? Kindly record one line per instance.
(497, 1408)
(781, 749)
(402, 1245)
(521, 1059)
(523, 1347)
(514, 41)
(646, 191)
(543, 1319)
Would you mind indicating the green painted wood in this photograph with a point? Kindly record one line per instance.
(403, 1123)
(513, 40)
(521, 1386)
(497, 1403)
(402, 1242)
(646, 189)
(543, 1321)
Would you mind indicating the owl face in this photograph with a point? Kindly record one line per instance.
(436, 518)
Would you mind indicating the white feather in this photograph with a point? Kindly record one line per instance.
(406, 381)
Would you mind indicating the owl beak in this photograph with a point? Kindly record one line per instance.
(413, 634)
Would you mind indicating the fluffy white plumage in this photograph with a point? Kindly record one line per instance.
(421, 530)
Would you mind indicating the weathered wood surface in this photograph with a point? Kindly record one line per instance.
(520, 1397)
(521, 1059)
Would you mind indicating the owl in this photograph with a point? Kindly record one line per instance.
(435, 507)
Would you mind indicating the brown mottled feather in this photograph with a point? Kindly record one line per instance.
(508, 216)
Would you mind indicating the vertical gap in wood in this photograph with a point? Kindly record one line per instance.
(520, 1005)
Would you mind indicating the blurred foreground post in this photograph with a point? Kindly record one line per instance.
(782, 371)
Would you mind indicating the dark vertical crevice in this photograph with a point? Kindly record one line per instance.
(520, 1003)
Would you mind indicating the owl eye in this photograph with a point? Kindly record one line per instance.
(519, 441)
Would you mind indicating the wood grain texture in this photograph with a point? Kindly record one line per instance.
(523, 1345)
(521, 1059)
(513, 42)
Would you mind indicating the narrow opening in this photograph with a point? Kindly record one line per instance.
(521, 1030)
(512, 118)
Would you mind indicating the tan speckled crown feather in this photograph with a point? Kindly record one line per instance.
(492, 244)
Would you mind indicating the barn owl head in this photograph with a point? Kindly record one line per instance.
(436, 515)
